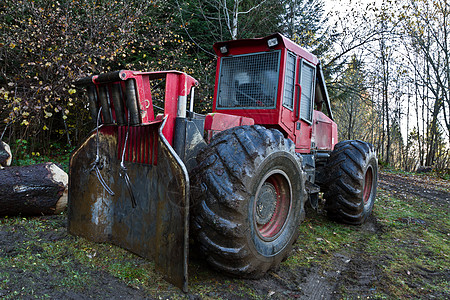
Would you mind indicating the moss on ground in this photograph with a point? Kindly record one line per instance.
(402, 253)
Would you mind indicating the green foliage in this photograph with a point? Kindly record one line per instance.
(351, 102)
(47, 45)
(22, 155)
(305, 23)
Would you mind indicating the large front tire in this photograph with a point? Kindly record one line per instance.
(247, 200)
(350, 188)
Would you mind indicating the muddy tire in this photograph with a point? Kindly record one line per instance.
(248, 195)
(351, 182)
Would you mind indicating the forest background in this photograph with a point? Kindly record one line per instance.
(386, 64)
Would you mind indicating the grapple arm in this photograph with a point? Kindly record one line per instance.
(131, 139)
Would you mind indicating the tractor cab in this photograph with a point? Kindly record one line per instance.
(279, 85)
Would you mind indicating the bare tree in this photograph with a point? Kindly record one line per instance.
(427, 26)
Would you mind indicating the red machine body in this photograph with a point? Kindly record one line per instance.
(131, 180)
(126, 99)
(293, 68)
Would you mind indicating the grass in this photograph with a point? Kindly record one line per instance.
(414, 247)
(410, 250)
(442, 174)
(76, 260)
(319, 238)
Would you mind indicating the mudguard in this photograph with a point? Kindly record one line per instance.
(157, 227)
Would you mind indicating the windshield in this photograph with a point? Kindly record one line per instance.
(249, 81)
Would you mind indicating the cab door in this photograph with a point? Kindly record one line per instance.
(303, 127)
(290, 93)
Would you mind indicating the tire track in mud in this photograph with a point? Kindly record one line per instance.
(434, 191)
(351, 270)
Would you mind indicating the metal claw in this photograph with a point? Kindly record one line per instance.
(123, 173)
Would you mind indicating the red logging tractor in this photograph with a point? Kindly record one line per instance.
(237, 179)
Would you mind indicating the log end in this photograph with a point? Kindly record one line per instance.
(57, 175)
(5, 154)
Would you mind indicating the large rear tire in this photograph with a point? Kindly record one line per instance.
(351, 182)
(248, 195)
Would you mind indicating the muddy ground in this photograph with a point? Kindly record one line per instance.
(38, 259)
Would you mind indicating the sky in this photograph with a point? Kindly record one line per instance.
(341, 6)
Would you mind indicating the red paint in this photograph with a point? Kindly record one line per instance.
(177, 84)
(303, 137)
(217, 122)
(282, 207)
(141, 145)
(324, 131)
(368, 180)
(321, 134)
(237, 47)
(303, 133)
(108, 130)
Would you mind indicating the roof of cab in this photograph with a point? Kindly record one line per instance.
(283, 42)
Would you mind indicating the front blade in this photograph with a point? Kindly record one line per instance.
(157, 228)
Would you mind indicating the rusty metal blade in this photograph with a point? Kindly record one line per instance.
(157, 228)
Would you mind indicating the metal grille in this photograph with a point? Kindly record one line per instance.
(249, 81)
(289, 78)
(307, 83)
(141, 145)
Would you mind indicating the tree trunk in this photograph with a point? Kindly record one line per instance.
(33, 190)
(406, 167)
(234, 24)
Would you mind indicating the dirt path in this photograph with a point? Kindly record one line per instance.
(435, 191)
(38, 259)
(349, 268)
(354, 272)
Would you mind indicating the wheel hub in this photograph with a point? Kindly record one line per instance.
(266, 203)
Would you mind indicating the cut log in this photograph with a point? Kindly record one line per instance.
(424, 169)
(33, 190)
(5, 154)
